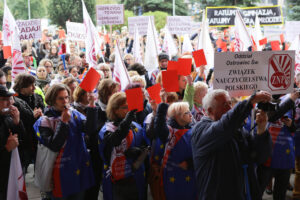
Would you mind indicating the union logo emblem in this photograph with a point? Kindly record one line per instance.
(279, 72)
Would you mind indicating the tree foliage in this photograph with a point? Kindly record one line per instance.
(19, 9)
(156, 5)
(63, 10)
(160, 18)
(293, 11)
(244, 3)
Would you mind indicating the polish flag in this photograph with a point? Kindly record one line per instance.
(91, 38)
(16, 183)
(11, 38)
(120, 73)
(242, 36)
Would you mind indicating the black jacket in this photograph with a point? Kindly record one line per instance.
(6, 123)
(221, 148)
(26, 106)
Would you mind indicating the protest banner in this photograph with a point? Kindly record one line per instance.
(141, 22)
(76, 31)
(29, 29)
(241, 73)
(292, 29)
(180, 25)
(224, 16)
(110, 14)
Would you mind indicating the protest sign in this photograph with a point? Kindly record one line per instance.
(180, 25)
(110, 14)
(141, 22)
(292, 29)
(224, 16)
(135, 99)
(30, 29)
(76, 31)
(241, 73)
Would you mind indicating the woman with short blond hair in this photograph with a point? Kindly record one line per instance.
(123, 150)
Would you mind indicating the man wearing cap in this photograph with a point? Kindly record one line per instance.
(11, 133)
(163, 59)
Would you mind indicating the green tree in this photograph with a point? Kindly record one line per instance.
(19, 9)
(156, 5)
(293, 11)
(63, 10)
(159, 18)
(245, 3)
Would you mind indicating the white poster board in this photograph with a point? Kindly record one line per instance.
(75, 31)
(240, 73)
(30, 29)
(292, 29)
(110, 14)
(141, 22)
(180, 25)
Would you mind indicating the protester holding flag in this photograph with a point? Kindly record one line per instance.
(122, 148)
(60, 130)
(11, 133)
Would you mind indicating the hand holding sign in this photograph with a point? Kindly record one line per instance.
(199, 58)
(170, 80)
(90, 80)
(135, 99)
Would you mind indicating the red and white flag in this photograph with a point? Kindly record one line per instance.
(16, 189)
(204, 42)
(120, 74)
(242, 36)
(90, 41)
(295, 45)
(136, 46)
(11, 38)
(169, 46)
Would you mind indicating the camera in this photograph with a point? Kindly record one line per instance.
(267, 107)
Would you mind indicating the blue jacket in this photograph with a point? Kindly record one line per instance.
(221, 148)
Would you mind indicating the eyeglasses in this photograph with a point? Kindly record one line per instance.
(48, 66)
(63, 98)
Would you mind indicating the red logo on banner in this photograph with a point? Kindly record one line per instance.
(279, 75)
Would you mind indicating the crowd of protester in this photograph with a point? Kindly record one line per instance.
(198, 143)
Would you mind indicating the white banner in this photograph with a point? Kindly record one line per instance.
(76, 31)
(110, 14)
(180, 25)
(292, 29)
(141, 22)
(240, 73)
(30, 29)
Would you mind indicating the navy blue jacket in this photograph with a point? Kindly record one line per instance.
(220, 149)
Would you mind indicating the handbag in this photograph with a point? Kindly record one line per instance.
(44, 164)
